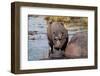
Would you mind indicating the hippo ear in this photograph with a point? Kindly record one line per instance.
(62, 23)
(50, 22)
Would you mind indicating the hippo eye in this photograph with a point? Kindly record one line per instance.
(53, 32)
(62, 33)
(54, 39)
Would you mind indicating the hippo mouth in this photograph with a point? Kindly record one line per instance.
(57, 47)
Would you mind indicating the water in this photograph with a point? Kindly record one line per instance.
(38, 49)
(37, 43)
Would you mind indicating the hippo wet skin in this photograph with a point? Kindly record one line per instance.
(58, 39)
(77, 46)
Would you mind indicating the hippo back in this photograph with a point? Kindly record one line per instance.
(77, 46)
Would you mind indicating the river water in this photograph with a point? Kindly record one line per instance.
(37, 48)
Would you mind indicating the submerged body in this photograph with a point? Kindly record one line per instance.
(77, 46)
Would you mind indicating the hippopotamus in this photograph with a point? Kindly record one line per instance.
(57, 38)
(77, 46)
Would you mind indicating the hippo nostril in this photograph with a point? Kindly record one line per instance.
(56, 38)
(59, 39)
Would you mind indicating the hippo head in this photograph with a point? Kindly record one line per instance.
(59, 35)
